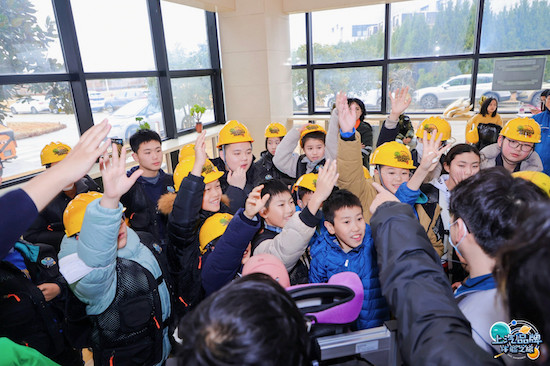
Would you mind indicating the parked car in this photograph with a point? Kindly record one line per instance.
(457, 87)
(118, 98)
(97, 101)
(31, 104)
(533, 96)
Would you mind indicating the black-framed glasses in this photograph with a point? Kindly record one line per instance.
(523, 147)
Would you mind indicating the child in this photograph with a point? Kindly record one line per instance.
(48, 227)
(264, 169)
(286, 233)
(483, 128)
(346, 245)
(312, 140)
(440, 126)
(304, 188)
(141, 200)
(235, 147)
(393, 165)
(119, 275)
(515, 146)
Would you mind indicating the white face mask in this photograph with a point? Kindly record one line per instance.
(455, 247)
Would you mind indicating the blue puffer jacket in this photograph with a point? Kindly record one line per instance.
(543, 148)
(327, 259)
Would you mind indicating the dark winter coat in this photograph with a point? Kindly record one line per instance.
(264, 169)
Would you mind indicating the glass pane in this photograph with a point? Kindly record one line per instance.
(352, 34)
(29, 40)
(190, 51)
(363, 83)
(113, 35)
(299, 91)
(515, 25)
(33, 115)
(126, 103)
(510, 101)
(190, 91)
(298, 38)
(422, 28)
(433, 85)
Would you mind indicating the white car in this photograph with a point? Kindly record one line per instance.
(533, 96)
(458, 87)
(33, 104)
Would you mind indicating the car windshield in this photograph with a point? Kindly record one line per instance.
(131, 109)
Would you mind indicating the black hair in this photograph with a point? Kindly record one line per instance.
(460, 149)
(361, 105)
(251, 321)
(271, 138)
(273, 187)
(485, 105)
(142, 136)
(301, 192)
(545, 93)
(522, 270)
(489, 204)
(315, 135)
(339, 199)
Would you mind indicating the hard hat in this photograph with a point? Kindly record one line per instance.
(186, 150)
(234, 132)
(184, 167)
(267, 264)
(312, 127)
(54, 152)
(522, 129)
(308, 181)
(275, 130)
(392, 154)
(472, 136)
(539, 178)
(73, 216)
(434, 123)
(213, 228)
(366, 173)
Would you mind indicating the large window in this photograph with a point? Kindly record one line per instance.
(442, 50)
(67, 64)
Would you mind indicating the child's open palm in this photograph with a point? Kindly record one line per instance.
(255, 202)
(346, 118)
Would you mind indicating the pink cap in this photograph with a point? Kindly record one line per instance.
(269, 265)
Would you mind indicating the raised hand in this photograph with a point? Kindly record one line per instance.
(432, 151)
(326, 180)
(399, 103)
(383, 196)
(115, 180)
(237, 178)
(200, 154)
(255, 202)
(346, 118)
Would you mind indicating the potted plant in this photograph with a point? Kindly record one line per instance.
(197, 111)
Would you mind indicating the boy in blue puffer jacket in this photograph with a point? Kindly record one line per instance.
(346, 244)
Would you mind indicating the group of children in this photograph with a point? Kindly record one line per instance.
(145, 252)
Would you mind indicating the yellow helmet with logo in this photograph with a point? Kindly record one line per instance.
(308, 181)
(392, 154)
(275, 130)
(434, 123)
(234, 132)
(54, 152)
(522, 129)
(312, 127)
(366, 173)
(184, 167)
(73, 216)
(186, 150)
(539, 178)
(213, 228)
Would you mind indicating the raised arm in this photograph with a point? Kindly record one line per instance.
(285, 159)
(430, 160)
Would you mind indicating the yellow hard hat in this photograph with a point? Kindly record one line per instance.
(213, 228)
(184, 167)
(312, 127)
(522, 129)
(234, 132)
(392, 154)
(472, 135)
(186, 150)
(366, 173)
(539, 178)
(54, 152)
(308, 181)
(434, 123)
(275, 130)
(73, 216)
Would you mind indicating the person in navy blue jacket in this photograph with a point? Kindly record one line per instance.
(346, 244)
(232, 249)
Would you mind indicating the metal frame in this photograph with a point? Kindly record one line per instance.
(386, 61)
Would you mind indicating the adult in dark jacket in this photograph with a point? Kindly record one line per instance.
(264, 169)
(431, 329)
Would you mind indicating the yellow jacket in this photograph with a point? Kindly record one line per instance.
(472, 136)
